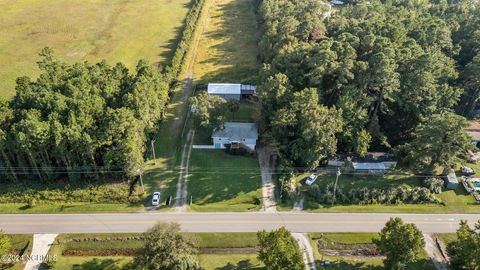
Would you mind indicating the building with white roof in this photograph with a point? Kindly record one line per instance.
(234, 91)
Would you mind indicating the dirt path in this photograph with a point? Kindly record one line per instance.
(41, 245)
(307, 250)
(268, 186)
(181, 198)
(434, 252)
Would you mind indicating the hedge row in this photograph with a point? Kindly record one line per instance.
(184, 44)
(397, 195)
(103, 193)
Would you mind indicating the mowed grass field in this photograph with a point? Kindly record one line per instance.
(115, 30)
(227, 50)
(219, 181)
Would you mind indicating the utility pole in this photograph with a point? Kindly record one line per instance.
(153, 151)
(141, 180)
(335, 187)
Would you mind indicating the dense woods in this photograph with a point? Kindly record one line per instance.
(377, 70)
(81, 120)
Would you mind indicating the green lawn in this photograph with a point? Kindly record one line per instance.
(447, 237)
(205, 240)
(10, 208)
(457, 201)
(227, 51)
(120, 30)
(247, 113)
(21, 244)
(227, 240)
(222, 182)
(351, 240)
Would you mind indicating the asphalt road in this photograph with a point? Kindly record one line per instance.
(224, 222)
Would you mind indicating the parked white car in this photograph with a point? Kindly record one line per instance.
(311, 179)
(156, 198)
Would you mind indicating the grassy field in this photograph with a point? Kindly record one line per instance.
(118, 30)
(222, 182)
(356, 240)
(456, 201)
(21, 244)
(10, 208)
(227, 50)
(205, 240)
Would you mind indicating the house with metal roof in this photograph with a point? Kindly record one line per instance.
(231, 90)
(236, 135)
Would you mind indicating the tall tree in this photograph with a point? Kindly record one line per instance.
(167, 248)
(440, 141)
(279, 250)
(401, 243)
(463, 251)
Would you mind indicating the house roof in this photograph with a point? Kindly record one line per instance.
(224, 88)
(368, 166)
(237, 131)
(474, 130)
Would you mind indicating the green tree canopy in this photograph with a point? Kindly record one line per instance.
(439, 141)
(279, 250)
(463, 251)
(167, 248)
(401, 243)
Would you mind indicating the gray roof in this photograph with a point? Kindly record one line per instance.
(224, 88)
(237, 131)
(368, 166)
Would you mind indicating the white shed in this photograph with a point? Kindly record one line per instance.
(245, 134)
(225, 90)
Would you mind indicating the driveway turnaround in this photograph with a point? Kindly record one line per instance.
(225, 222)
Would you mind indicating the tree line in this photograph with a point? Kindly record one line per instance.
(81, 119)
(369, 75)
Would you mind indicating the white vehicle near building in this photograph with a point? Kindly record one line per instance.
(311, 179)
(156, 198)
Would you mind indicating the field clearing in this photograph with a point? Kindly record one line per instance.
(77, 30)
(205, 240)
(227, 50)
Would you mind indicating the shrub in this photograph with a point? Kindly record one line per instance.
(435, 185)
(364, 195)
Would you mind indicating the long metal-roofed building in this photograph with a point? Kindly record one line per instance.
(234, 91)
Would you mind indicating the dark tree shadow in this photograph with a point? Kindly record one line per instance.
(241, 265)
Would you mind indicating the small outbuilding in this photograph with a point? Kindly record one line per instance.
(231, 90)
(452, 181)
(369, 166)
(236, 135)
